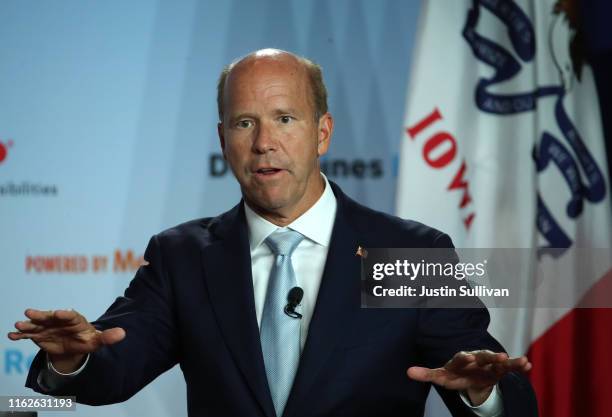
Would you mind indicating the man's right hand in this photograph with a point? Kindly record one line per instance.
(65, 335)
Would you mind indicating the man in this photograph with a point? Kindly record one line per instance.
(211, 296)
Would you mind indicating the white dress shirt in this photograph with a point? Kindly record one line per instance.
(308, 261)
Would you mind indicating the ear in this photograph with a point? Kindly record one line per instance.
(221, 138)
(325, 129)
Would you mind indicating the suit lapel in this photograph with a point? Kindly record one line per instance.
(227, 268)
(337, 301)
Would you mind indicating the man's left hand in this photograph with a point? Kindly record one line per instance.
(474, 372)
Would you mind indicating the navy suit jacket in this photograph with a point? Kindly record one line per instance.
(193, 305)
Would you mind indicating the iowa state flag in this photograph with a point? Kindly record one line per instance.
(503, 148)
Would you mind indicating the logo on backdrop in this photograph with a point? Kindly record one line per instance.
(332, 168)
(4, 149)
(121, 261)
(550, 150)
(22, 188)
(16, 362)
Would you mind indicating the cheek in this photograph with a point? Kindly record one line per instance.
(304, 156)
(302, 148)
(237, 153)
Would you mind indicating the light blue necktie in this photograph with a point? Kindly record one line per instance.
(279, 333)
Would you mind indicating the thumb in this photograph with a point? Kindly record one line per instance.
(419, 373)
(112, 336)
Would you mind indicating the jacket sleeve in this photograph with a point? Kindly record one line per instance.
(146, 312)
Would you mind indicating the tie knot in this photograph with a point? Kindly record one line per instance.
(284, 243)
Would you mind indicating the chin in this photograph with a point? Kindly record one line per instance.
(273, 204)
(269, 202)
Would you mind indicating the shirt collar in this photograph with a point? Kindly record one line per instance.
(315, 224)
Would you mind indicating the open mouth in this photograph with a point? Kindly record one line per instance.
(268, 171)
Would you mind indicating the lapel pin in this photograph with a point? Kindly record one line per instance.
(361, 252)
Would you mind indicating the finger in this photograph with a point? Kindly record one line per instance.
(21, 336)
(520, 361)
(520, 364)
(16, 336)
(28, 326)
(112, 336)
(39, 315)
(46, 318)
(520, 368)
(422, 374)
(67, 316)
(485, 357)
(515, 363)
(55, 318)
(460, 361)
(419, 373)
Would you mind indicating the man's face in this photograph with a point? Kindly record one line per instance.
(270, 138)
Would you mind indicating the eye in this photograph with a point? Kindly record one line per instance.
(286, 119)
(244, 124)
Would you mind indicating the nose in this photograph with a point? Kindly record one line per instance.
(264, 140)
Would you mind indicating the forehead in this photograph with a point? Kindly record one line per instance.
(264, 81)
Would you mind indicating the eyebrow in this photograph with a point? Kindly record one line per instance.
(242, 116)
(278, 112)
(288, 110)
